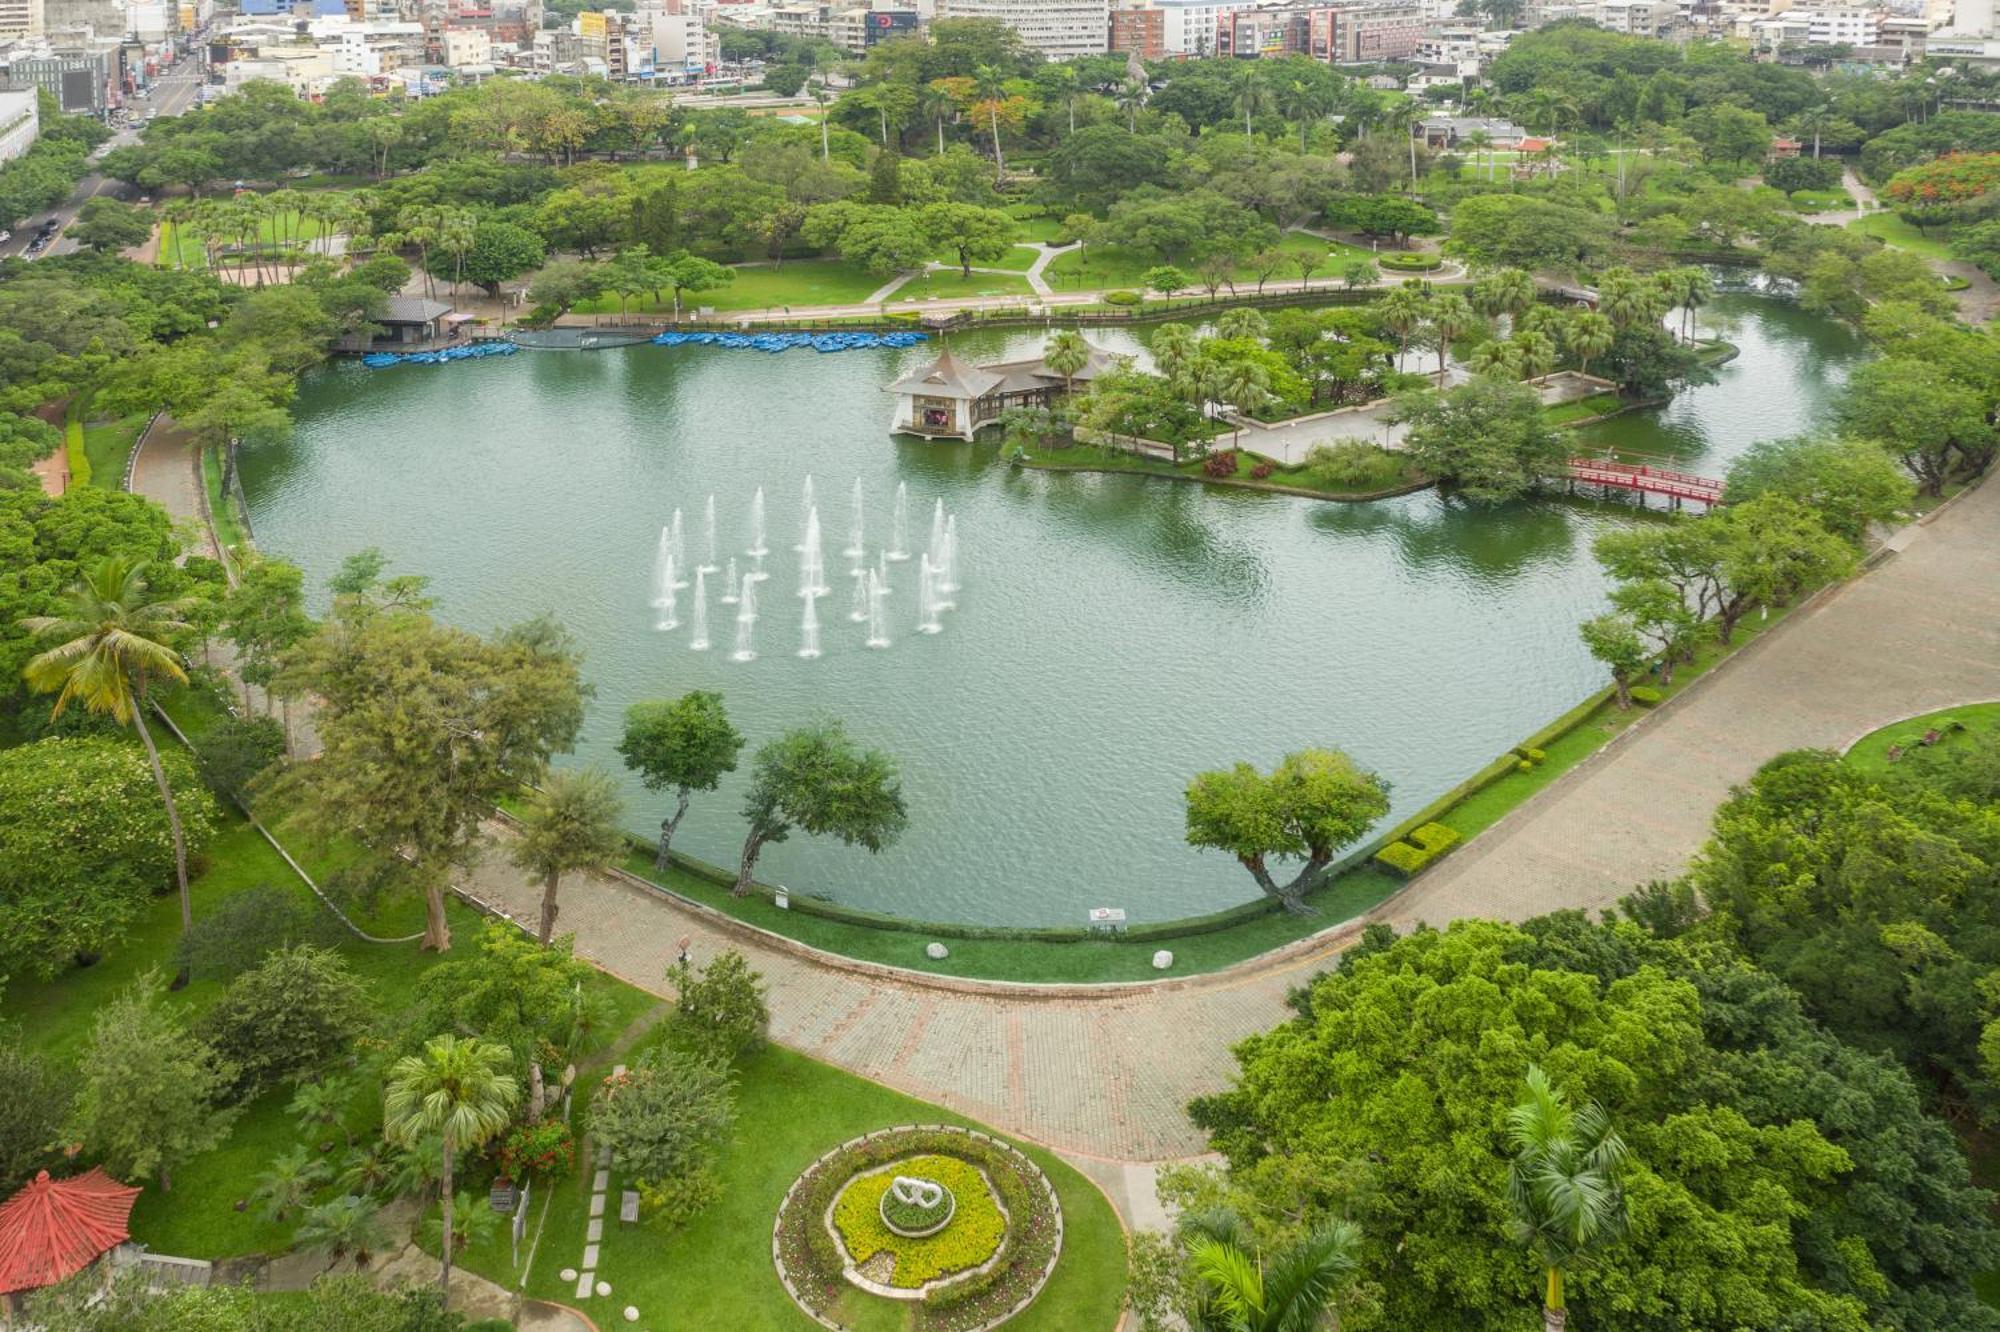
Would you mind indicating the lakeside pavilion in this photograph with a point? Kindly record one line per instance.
(949, 399)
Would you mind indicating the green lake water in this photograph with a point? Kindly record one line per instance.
(1112, 635)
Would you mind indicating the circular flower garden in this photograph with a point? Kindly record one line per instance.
(956, 1223)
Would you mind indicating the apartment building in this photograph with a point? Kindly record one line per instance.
(1058, 29)
(1338, 34)
(1139, 31)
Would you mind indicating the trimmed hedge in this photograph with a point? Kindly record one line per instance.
(1409, 263)
(1122, 298)
(1645, 695)
(1424, 845)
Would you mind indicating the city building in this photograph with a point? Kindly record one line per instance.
(1444, 132)
(81, 82)
(1638, 18)
(1058, 29)
(20, 122)
(1187, 27)
(1140, 30)
(857, 27)
(20, 18)
(1339, 34)
(684, 45)
(467, 47)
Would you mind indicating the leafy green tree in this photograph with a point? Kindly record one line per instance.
(664, 1121)
(459, 1090)
(721, 1009)
(1914, 409)
(112, 638)
(1851, 484)
(817, 780)
(1487, 439)
(292, 1016)
(424, 727)
(148, 1089)
(1311, 805)
(566, 283)
(1295, 1288)
(108, 226)
(682, 745)
(1615, 641)
(688, 273)
(1563, 1189)
(569, 823)
(1164, 279)
(970, 232)
(501, 252)
(31, 1113)
(1729, 133)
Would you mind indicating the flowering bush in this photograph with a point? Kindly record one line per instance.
(1260, 472)
(974, 1235)
(537, 1149)
(1220, 464)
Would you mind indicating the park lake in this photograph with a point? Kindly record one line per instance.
(1112, 635)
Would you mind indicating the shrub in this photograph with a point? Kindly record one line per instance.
(1435, 838)
(1350, 464)
(234, 751)
(1536, 755)
(32, 1111)
(1410, 263)
(974, 1235)
(542, 1148)
(1221, 464)
(295, 1013)
(1524, 766)
(720, 1011)
(1402, 858)
(1803, 174)
(1645, 695)
(1121, 298)
(663, 1122)
(1260, 472)
(248, 927)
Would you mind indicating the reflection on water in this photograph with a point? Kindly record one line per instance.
(1114, 635)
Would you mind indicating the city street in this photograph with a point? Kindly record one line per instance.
(172, 93)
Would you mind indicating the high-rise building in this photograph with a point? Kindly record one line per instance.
(20, 18)
(1339, 34)
(1059, 29)
(1140, 30)
(1187, 27)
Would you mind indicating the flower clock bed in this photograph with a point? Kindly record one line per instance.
(957, 1225)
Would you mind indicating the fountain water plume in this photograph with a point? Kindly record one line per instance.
(881, 573)
(947, 567)
(729, 584)
(663, 573)
(857, 543)
(664, 602)
(878, 613)
(899, 534)
(679, 544)
(698, 622)
(858, 610)
(746, 626)
(928, 605)
(812, 566)
(806, 507)
(708, 564)
(757, 546)
(809, 631)
(937, 533)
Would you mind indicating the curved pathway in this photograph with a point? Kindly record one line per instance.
(1105, 1072)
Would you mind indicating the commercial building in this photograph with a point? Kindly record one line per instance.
(1058, 29)
(1339, 34)
(21, 18)
(1638, 18)
(1140, 31)
(1187, 27)
(81, 82)
(20, 122)
(467, 48)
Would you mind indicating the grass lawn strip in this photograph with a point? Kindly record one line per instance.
(1871, 752)
(108, 444)
(1893, 230)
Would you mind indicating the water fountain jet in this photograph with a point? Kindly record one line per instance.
(746, 626)
(729, 584)
(857, 544)
(899, 535)
(708, 564)
(878, 613)
(698, 630)
(927, 598)
(809, 631)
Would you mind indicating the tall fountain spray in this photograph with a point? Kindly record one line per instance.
(679, 544)
(858, 610)
(881, 574)
(698, 624)
(759, 548)
(812, 565)
(708, 564)
(664, 602)
(729, 584)
(809, 631)
(878, 612)
(927, 598)
(663, 572)
(937, 533)
(899, 535)
(746, 625)
(857, 543)
(947, 568)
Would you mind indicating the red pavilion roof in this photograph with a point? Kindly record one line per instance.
(54, 1228)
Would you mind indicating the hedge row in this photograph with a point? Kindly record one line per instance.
(1409, 263)
(1425, 844)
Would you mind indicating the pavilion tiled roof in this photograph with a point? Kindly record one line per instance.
(54, 1228)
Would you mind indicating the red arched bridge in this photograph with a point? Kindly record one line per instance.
(1647, 480)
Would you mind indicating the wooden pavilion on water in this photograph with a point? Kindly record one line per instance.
(949, 399)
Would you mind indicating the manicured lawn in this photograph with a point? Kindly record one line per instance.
(1018, 259)
(108, 444)
(800, 282)
(221, 508)
(717, 1272)
(1871, 752)
(180, 248)
(948, 284)
(1111, 267)
(1897, 232)
(1583, 408)
(1047, 230)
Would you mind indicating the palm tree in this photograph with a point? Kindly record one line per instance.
(1451, 314)
(821, 95)
(1537, 352)
(1243, 322)
(1304, 103)
(1690, 288)
(1479, 141)
(1506, 291)
(1563, 1186)
(1066, 83)
(1173, 349)
(1628, 299)
(1402, 312)
(1246, 385)
(288, 1184)
(346, 1225)
(1131, 97)
(1251, 95)
(459, 1090)
(991, 83)
(1292, 1290)
(570, 823)
(1067, 353)
(1497, 359)
(1586, 335)
(936, 103)
(110, 636)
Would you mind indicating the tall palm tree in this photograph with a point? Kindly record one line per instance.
(570, 823)
(1690, 289)
(1292, 1290)
(1066, 354)
(1628, 299)
(1251, 94)
(1246, 384)
(1402, 312)
(1304, 102)
(1506, 291)
(1450, 315)
(1563, 1186)
(111, 641)
(1131, 97)
(1588, 334)
(1537, 352)
(458, 1090)
(1480, 142)
(990, 81)
(1173, 348)
(1498, 359)
(936, 103)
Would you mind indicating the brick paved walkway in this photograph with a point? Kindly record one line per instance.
(1107, 1074)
